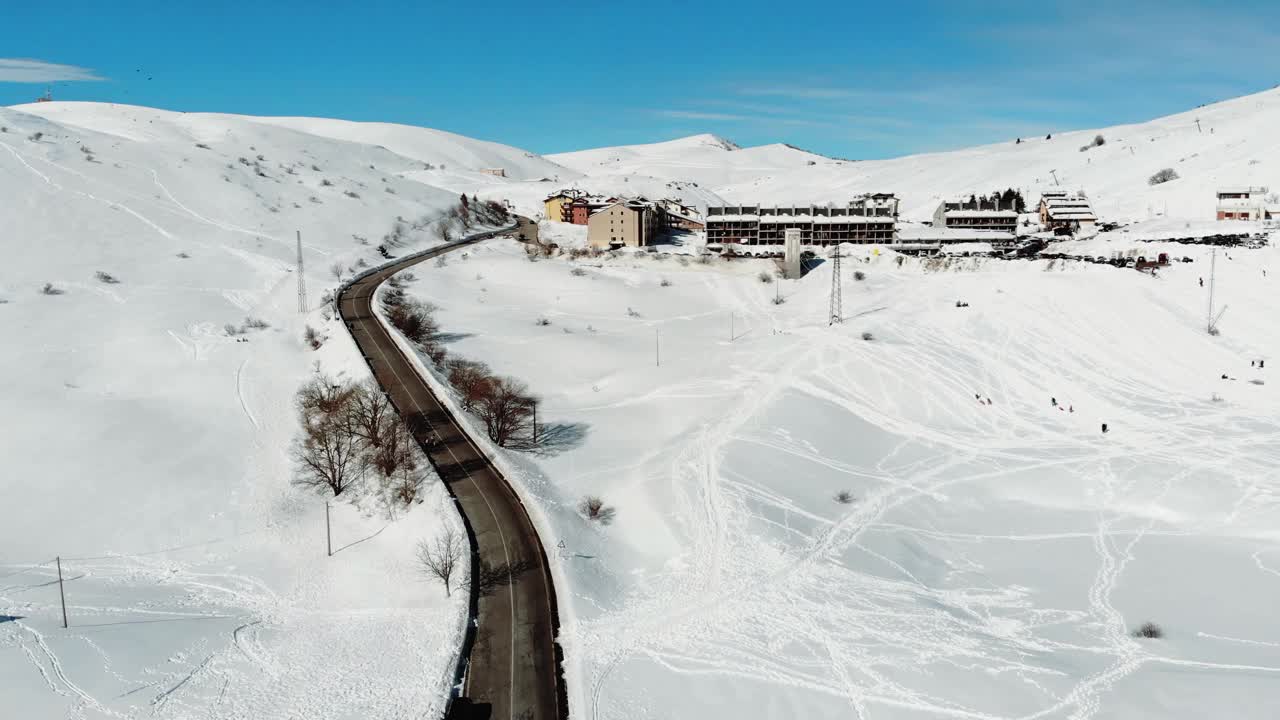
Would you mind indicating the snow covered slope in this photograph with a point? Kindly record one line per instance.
(708, 160)
(148, 448)
(1233, 143)
(993, 558)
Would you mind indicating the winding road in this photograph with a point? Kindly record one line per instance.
(511, 665)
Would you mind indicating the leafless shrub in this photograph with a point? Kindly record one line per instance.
(470, 379)
(704, 259)
(542, 322)
(859, 275)
(49, 289)
(313, 338)
(593, 508)
(315, 168)
(1162, 177)
(868, 336)
(232, 330)
(440, 557)
(351, 193)
(765, 277)
(442, 261)
(414, 319)
(325, 183)
(631, 312)
(1149, 630)
(35, 137)
(665, 283)
(844, 497)
(577, 272)
(255, 323)
(506, 408)
(778, 300)
(336, 271)
(106, 277)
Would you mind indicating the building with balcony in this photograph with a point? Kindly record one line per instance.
(867, 219)
(1242, 203)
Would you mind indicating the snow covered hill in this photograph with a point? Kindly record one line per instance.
(811, 522)
(148, 446)
(1233, 143)
(708, 160)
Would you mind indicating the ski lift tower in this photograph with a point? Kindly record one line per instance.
(837, 302)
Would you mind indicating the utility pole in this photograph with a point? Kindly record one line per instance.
(657, 355)
(328, 534)
(836, 314)
(731, 333)
(62, 595)
(1213, 272)
(302, 280)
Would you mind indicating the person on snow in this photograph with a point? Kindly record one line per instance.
(1053, 401)
(1071, 408)
(1201, 282)
(1104, 427)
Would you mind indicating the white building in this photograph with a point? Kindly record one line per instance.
(1058, 209)
(1242, 203)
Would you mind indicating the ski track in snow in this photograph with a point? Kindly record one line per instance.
(244, 405)
(666, 628)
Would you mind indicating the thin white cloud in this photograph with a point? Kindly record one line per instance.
(693, 115)
(22, 70)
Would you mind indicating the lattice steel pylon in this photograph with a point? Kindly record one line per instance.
(837, 304)
(302, 279)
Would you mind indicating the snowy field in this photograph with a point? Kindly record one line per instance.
(994, 559)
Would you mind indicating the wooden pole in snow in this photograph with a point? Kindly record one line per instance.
(328, 534)
(62, 595)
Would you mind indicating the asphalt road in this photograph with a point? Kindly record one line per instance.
(512, 669)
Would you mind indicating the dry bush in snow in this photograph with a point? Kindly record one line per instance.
(844, 497)
(506, 408)
(1162, 176)
(1149, 630)
(593, 508)
(106, 277)
(49, 289)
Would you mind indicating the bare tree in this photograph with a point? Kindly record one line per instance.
(506, 409)
(593, 508)
(323, 396)
(470, 379)
(441, 557)
(327, 456)
(369, 415)
(844, 497)
(336, 270)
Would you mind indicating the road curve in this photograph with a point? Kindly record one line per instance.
(511, 665)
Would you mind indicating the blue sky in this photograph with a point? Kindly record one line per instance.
(848, 79)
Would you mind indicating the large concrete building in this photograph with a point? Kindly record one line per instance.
(977, 213)
(866, 219)
(626, 223)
